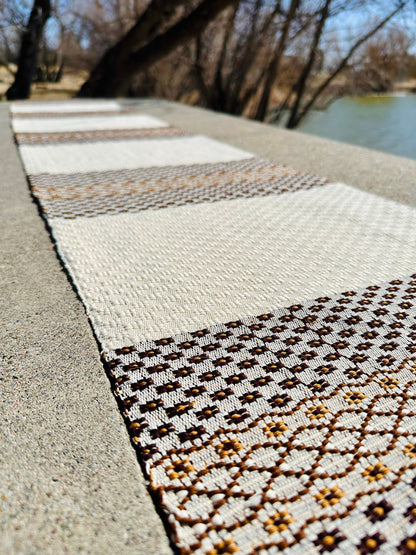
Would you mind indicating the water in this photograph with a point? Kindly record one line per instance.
(386, 123)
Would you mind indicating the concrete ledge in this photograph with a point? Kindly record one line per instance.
(70, 480)
(383, 174)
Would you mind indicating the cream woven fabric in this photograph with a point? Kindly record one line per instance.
(265, 420)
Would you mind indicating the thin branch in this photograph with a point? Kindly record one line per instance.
(301, 83)
(345, 61)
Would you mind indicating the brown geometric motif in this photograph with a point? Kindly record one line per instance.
(102, 135)
(118, 192)
(302, 438)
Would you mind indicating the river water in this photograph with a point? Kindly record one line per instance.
(386, 123)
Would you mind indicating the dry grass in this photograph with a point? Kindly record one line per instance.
(406, 86)
(6, 79)
(66, 88)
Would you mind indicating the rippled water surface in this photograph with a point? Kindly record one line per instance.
(383, 123)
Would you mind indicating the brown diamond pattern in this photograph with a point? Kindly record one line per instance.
(295, 429)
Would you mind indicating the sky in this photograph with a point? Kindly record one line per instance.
(343, 26)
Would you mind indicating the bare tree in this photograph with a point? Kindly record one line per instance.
(273, 69)
(383, 61)
(230, 70)
(298, 113)
(265, 59)
(301, 82)
(144, 44)
(272, 56)
(28, 55)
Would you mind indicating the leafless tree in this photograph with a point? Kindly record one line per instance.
(13, 18)
(299, 111)
(384, 60)
(147, 42)
(271, 60)
(28, 55)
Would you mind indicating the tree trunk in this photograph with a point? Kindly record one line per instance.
(301, 84)
(20, 89)
(345, 61)
(218, 97)
(273, 68)
(109, 78)
(133, 61)
(244, 94)
(60, 72)
(198, 71)
(245, 54)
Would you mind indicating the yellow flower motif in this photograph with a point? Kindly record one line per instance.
(225, 547)
(275, 429)
(317, 412)
(228, 448)
(328, 541)
(411, 545)
(179, 469)
(330, 496)
(389, 383)
(410, 450)
(375, 471)
(278, 522)
(371, 544)
(355, 397)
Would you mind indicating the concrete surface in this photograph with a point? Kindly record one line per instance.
(371, 170)
(69, 478)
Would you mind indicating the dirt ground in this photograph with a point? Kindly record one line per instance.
(66, 88)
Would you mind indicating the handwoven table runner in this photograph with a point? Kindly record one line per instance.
(265, 421)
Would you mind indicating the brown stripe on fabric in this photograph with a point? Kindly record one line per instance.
(303, 414)
(71, 114)
(267, 173)
(101, 135)
(127, 198)
(153, 175)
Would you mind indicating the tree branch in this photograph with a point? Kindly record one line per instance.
(345, 61)
(107, 75)
(301, 83)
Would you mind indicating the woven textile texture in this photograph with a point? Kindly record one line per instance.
(257, 324)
